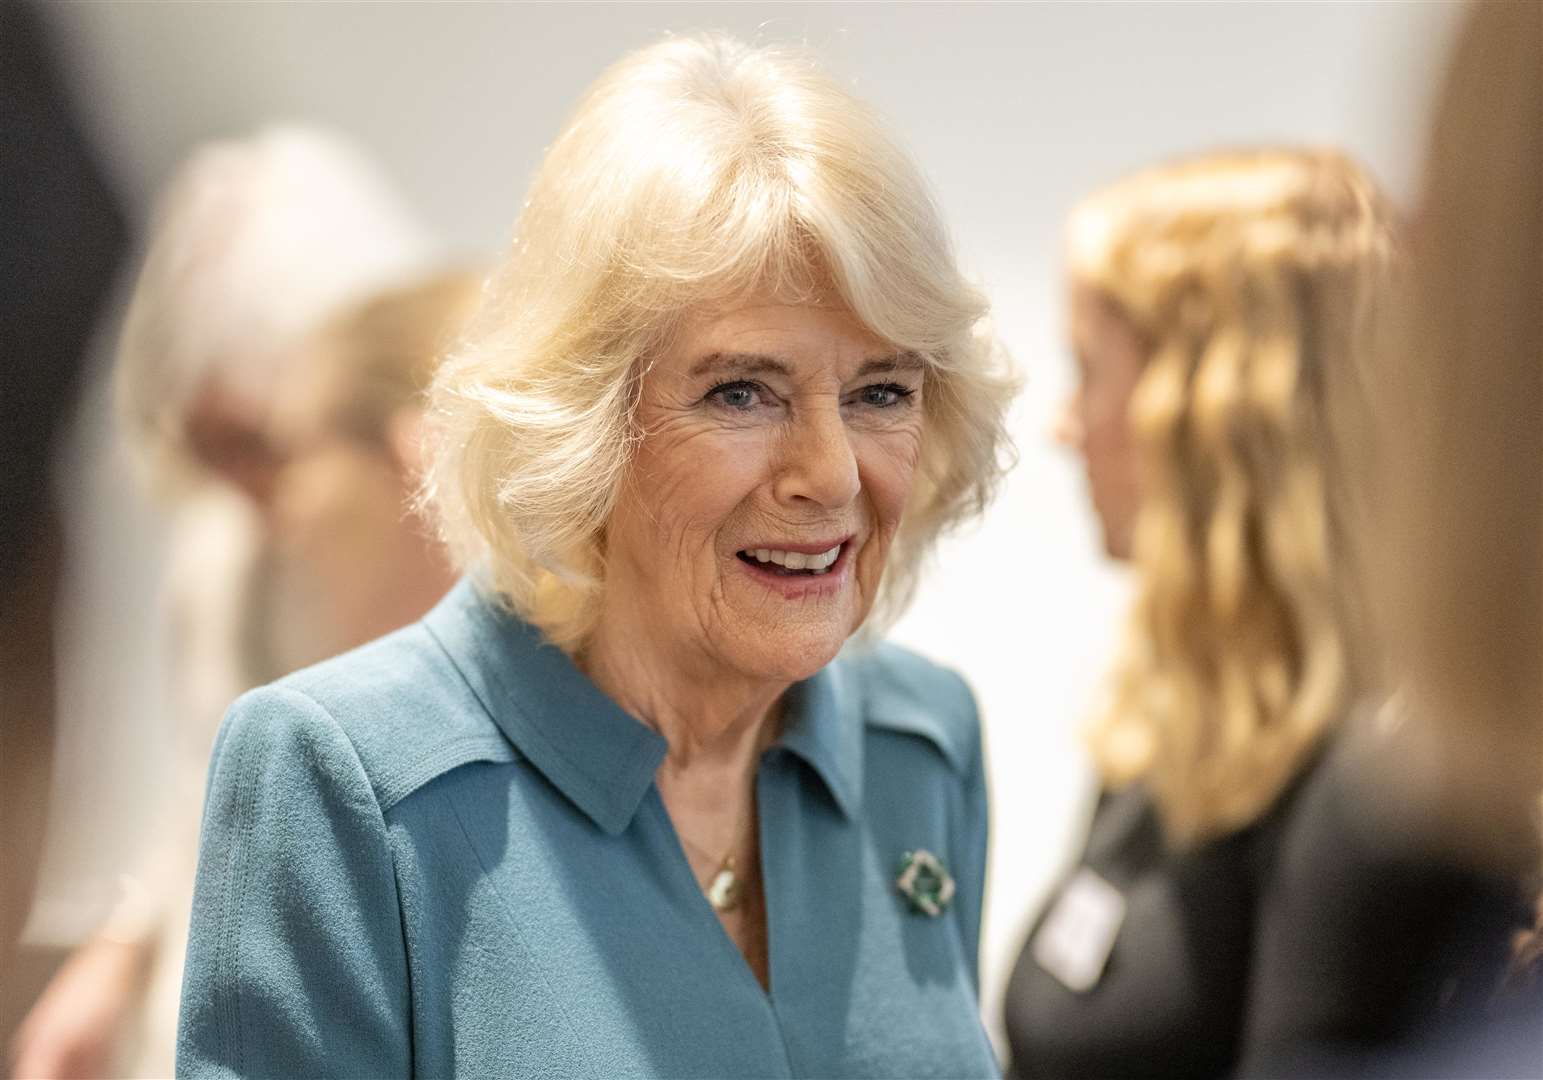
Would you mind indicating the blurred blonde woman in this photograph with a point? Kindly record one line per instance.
(353, 561)
(1222, 311)
(256, 241)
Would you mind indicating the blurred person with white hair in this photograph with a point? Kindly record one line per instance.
(256, 242)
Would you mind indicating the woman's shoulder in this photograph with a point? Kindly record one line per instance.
(398, 705)
(902, 691)
(1365, 927)
(1358, 795)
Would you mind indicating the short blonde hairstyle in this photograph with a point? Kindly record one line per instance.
(1254, 279)
(378, 357)
(695, 173)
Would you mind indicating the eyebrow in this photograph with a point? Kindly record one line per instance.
(905, 361)
(739, 364)
(759, 363)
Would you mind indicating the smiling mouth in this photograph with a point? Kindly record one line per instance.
(792, 563)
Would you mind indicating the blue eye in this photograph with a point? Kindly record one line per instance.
(884, 395)
(742, 395)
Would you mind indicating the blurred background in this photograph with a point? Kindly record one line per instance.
(1014, 111)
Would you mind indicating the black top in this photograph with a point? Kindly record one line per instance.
(1322, 931)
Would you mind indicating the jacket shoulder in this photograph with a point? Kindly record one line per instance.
(403, 705)
(902, 691)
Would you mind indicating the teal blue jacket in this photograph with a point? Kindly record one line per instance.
(444, 853)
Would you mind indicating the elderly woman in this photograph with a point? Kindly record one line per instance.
(1250, 896)
(614, 807)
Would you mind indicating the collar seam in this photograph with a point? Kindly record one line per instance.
(609, 812)
(397, 785)
(952, 754)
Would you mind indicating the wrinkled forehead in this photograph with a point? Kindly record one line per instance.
(766, 335)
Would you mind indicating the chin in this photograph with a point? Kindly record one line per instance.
(1117, 546)
(790, 655)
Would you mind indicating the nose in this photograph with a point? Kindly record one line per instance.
(819, 464)
(1066, 429)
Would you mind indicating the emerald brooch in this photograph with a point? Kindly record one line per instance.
(925, 882)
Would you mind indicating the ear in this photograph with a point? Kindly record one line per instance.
(404, 438)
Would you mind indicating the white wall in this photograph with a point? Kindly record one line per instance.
(1012, 110)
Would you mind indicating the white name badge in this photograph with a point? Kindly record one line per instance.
(1076, 938)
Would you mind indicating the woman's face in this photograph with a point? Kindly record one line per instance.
(349, 547)
(779, 446)
(1096, 420)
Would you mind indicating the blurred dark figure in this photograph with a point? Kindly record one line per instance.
(256, 242)
(63, 238)
(1455, 501)
(1252, 889)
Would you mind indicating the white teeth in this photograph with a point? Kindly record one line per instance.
(797, 560)
(823, 560)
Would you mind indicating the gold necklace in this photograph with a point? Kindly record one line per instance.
(726, 890)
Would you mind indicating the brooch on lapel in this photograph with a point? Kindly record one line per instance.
(925, 882)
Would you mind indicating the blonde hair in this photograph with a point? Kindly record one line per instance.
(380, 356)
(694, 173)
(255, 241)
(1253, 279)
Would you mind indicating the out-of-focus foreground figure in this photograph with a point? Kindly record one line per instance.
(63, 238)
(257, 242)
(1245, 892)
(1457, 491)
(1460, 451)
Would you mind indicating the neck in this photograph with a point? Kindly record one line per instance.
(716, 723)
(712, 719)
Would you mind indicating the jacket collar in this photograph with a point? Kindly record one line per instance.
(599, 756)
(823, 726)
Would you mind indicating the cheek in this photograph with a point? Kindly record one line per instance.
(1109, 433)
(888, 463)
(334, 499)
(1108, 457)
(684, 484)
(305, 491)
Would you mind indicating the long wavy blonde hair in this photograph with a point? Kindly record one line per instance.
(1254, 279)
